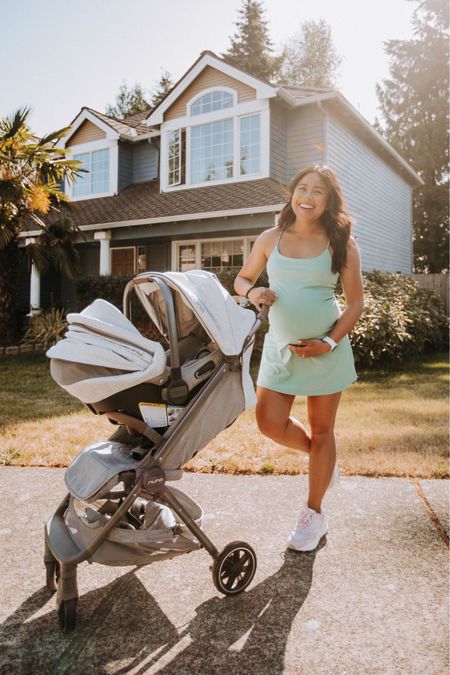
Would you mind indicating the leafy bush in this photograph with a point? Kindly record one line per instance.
(104, 286)
(46, 329)
(400, 318)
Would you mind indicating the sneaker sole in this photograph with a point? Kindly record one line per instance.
(309, 547)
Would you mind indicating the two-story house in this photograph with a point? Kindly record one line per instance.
(192, 182)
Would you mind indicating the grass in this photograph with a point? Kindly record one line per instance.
(392, 422)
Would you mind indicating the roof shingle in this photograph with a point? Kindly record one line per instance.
(144, 200)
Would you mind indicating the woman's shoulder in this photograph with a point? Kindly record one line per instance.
(267, 240)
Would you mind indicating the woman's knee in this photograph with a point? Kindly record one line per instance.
(268, 425)
(321, 433)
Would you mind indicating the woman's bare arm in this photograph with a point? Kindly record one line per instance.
(253, 267)
(352, 285)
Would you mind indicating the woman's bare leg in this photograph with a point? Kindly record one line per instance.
(321, 415)
(272, 416)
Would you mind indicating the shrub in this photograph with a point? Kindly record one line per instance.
(46, 328)
(400, 319)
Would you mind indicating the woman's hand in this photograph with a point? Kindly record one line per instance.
(261, 296)
(306, 348)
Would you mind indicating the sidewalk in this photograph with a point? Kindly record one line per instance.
(372, 599)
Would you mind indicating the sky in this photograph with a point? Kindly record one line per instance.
(57, 56)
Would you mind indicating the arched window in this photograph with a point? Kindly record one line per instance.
(215, 100)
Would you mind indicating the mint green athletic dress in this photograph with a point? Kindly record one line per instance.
(305, 308)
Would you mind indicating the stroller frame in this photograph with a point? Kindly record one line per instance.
(234, 567)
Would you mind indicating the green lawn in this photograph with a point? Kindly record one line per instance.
(393, 421)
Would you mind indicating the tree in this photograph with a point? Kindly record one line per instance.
(413, 106)
(251, 46)
(310, 57)
(32, 172)
(128, 102)
(161, 88)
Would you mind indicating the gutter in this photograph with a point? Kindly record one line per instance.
(271, 208)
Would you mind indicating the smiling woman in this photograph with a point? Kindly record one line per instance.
(307, 350)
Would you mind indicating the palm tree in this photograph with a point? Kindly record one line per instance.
(32, 174)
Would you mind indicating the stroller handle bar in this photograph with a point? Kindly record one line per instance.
(261, 317)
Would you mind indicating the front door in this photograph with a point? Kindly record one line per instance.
(123, 261)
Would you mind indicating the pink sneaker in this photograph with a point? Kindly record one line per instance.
(311, 527)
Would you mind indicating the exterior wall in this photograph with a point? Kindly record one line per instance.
(86, 133)
(378, 200)
(145, 162)
(278, 140)
(137, 163)
(210, 77)
(125, 165)
(305, 139)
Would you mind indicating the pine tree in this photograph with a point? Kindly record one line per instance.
(251, 46)
(413, 106)
(162, 88)
(310, 58)
(128, 102)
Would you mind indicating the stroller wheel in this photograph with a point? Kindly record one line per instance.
(234, 568)
(67, 612)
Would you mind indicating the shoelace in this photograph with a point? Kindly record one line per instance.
(305, 519)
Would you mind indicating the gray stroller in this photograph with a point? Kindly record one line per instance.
(167, 404)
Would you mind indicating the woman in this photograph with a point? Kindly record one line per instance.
(306, 350)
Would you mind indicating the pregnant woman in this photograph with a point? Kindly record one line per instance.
(306, 350)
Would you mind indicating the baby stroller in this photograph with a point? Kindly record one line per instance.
(167, 404)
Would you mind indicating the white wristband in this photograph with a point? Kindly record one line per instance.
(330, 341)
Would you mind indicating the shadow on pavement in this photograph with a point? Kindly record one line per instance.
(121, 627)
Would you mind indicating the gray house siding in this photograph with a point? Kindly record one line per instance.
(378, 200)
(137, 163)
(305, 139)
(125, 165)
(278, 168)
(145, 162)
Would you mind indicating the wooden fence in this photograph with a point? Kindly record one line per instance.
(436, 282)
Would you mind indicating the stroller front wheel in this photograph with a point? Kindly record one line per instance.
(234, 568)
(67, 614)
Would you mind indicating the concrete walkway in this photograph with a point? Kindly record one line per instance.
(372, 599)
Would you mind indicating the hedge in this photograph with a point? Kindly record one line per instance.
(400, 318)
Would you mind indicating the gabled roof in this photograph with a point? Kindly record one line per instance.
(143, 203)
(207, 58)
(130, 128)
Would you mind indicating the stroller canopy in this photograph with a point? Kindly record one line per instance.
(106, 353)
(200, 298)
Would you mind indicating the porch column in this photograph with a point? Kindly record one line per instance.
(104, 237)
(35, 286)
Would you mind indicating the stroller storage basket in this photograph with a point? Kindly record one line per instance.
(132, 546)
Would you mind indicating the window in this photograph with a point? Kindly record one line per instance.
(141, 259)
(216, 100)
(97, 180)
(249, 148)
(211, 254)
(186, 257)
(212, 151)
(221, 254)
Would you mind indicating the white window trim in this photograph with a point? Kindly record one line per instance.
(211, 90)
(247, 239)
(122, 248)
(92, 146)
(259, 107)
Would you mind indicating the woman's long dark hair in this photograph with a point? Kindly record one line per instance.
(335, 219)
